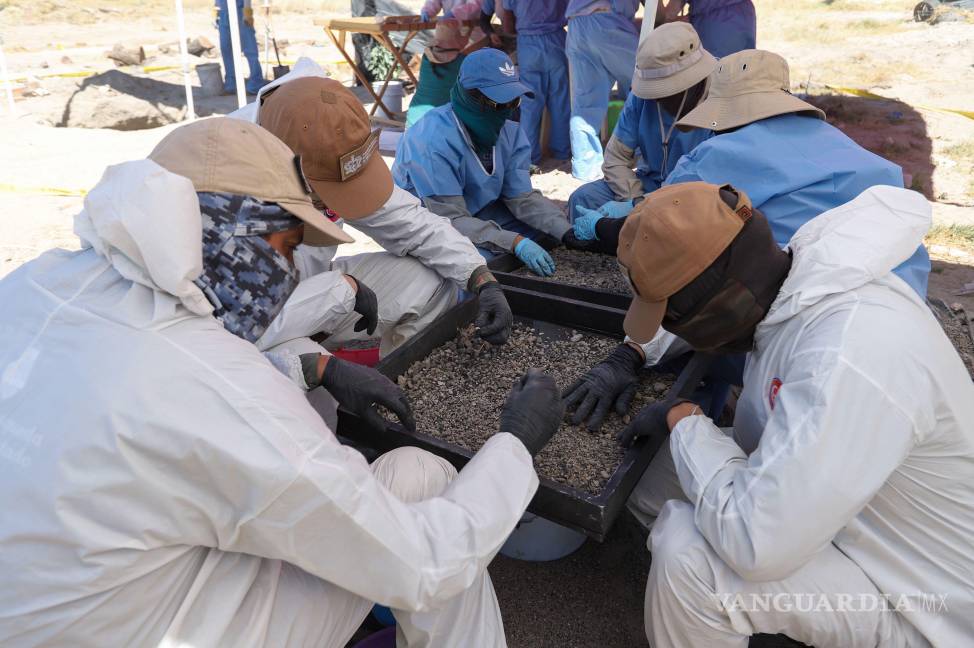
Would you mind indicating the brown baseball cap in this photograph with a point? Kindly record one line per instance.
(746, 87)
(327, 127)
(668, 241)
(227, 155)
(448, 41)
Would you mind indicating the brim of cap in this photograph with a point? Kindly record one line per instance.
(671, 85)
(507, 92)
(441, 56)
(360, 196)
(723, 113)
(643, 320)
(322, 232)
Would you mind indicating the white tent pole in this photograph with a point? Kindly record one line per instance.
(6, 81)
(238, 76)
(267, 39)
(184, 55)
(649, 18)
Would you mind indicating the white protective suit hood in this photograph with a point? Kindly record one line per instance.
(850, 246)
(145, 221)
(303, 67)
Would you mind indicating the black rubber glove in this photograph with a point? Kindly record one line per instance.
(359, 389)
(366, 305)
(572, 242)
(650, 422)
(611, 382)
(494, 317)
(533, 410)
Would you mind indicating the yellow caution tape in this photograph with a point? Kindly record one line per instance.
(48, 191)
(872, 95)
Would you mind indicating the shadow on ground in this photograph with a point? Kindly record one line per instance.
(889, 128)
(120, 100)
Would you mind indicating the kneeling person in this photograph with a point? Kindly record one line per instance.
(848, 477)
(190, 494)
(425, 262)
(469, 162)
(671, 79)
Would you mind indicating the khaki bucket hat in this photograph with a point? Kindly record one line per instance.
(746, 87)
(448, 41)
(670, 60)
(227, 155)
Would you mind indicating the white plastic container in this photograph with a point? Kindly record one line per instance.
(211, 79)
(539, 540)
(392, 98)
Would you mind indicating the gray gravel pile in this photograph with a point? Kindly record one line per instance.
(586, 270)
(957, 327)
(458, 392)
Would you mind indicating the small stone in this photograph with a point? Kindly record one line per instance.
(660, 387)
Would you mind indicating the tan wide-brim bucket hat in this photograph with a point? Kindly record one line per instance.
(670, 60)
(746, 87)
(233, 156)
(448, 41)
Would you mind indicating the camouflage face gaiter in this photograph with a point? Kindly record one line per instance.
(245, 279)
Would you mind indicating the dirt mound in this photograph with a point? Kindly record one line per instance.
(122, 101)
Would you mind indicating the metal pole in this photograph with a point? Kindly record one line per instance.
(6, 81)
(267, 38)
(238, 76)
(649, 18)
(184, 55)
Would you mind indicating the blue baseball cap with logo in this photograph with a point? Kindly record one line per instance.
(493, 73)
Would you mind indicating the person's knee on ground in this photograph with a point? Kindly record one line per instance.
(413, 474)
(590, 195)
(681, 583)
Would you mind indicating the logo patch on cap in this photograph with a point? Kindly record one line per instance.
(352, 163)
(328, 97)
(507, 70)
(744, 211)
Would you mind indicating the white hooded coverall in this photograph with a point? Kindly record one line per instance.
(161, 483)
(841, 509)
(415, 280)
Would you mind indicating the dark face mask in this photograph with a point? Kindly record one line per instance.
(720, 309)
(672, 103)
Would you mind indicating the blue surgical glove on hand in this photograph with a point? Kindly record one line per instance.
(425, 17)
(535, 258)
(616, 208)
(584, 225)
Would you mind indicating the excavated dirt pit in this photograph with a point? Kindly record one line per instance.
(586, 270)
(458, 392)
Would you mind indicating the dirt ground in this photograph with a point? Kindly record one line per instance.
(889, 83)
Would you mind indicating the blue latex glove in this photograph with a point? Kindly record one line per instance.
(616, 208)
(425, 17)
(584, 225)
(535, 258)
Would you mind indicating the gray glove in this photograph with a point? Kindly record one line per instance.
(359, 389)
(611, 382)
(533, 410)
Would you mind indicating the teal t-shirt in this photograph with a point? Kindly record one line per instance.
(435, 82)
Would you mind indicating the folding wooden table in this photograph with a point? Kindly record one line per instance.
(379, 28)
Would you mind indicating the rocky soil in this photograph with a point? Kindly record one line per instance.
(458, 392)
(585, 269)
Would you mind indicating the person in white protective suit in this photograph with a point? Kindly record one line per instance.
(426, 261)
(164, 484)
(839, 510)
